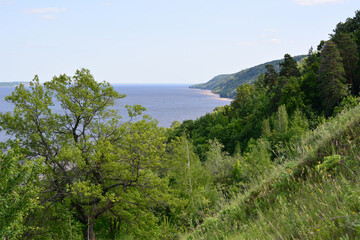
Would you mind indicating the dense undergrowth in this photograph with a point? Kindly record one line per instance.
(315, 194)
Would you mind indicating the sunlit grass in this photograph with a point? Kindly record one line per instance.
(298, 199)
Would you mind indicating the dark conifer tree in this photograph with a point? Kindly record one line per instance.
(288, 68)
(331, 77)
(271, 76)
(351, 26)
(348, 52)
(311, 62)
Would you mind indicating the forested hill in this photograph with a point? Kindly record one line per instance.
(226, 84)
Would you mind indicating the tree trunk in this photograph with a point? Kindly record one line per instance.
(88, 232)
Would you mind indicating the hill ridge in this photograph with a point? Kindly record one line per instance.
(226, 84)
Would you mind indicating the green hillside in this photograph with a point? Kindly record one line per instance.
(226, 84)
(314, 194)
(285, 154)
(213, 83)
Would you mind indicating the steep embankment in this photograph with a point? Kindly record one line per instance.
(226, 84)
(314, 194)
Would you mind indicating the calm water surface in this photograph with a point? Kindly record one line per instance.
(166, 103)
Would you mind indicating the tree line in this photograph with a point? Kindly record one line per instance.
(82, 173)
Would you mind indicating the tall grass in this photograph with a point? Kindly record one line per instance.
(303, 198)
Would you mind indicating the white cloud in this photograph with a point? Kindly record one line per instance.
(315, 2)
(44, 10)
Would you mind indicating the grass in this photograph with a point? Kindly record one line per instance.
(309, 196)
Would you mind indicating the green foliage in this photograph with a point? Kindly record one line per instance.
(331, 76)
(311, 88)
(350, 26)
(258, 158)
(292, 96)
(269, 121)
(271, 76)
(94, 164)
(253, 169)
(298, 125)
(288, 67)
(294, 200)
(19, 190)
(281, 120)
(243, 96)
(348, 53)
(266, 130)
(219, 164)
(329, 163)
(60, 221)
(347, 103)
(191, 182)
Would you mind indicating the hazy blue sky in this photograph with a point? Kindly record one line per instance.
(158, 41)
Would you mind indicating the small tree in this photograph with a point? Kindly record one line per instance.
(191, 183)
(281, 120)
(219, 163)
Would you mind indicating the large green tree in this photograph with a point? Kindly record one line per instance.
(332, 77)
(350, 26)
(348, 52)
(95, 165)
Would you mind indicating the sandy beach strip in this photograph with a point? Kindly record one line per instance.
(215, 95)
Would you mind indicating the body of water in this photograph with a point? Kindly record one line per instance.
(166, 103)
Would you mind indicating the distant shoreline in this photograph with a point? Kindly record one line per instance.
(13, 84)
(209, 92)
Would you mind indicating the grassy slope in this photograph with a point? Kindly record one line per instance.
(299, 199)
(226, 84)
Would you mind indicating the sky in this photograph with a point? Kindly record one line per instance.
(158, 41)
